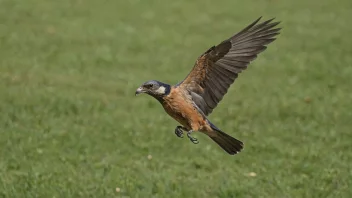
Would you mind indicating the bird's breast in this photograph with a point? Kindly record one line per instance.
(179, 105)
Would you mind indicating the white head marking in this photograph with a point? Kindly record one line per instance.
(161, 90)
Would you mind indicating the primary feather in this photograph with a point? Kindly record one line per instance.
(216, 69)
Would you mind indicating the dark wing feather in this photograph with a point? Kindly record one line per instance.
(217, 68)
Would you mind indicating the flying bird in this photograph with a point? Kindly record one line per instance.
(193, 99)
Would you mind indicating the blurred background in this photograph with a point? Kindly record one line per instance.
(71, 126)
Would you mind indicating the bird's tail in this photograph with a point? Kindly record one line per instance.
(230, 144)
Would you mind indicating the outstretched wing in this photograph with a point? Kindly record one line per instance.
(216, 69)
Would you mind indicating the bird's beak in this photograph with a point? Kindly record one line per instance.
(139, 91)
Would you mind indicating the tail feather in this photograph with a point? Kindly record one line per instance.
(230, 144)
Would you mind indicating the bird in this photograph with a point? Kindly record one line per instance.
(192, 100)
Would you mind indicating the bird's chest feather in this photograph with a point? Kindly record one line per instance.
(180, 107)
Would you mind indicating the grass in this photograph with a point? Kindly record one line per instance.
(71, 127)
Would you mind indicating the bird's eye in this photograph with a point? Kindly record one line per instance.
(149, 85)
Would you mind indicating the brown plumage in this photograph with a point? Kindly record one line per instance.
(190, 101)
(217, 68)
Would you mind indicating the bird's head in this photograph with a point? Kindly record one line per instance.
(154, 88)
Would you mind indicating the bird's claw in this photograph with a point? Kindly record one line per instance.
(193, 140)
(179, 132)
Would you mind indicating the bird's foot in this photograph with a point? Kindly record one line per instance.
(193, 140)
(179, 131)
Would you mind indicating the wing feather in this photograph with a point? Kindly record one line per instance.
(216, 69)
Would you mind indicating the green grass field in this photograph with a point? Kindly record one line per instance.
(71, 126)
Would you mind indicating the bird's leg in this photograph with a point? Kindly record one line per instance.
(179, 131)
(193, 140)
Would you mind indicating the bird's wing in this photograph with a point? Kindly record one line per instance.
(216, 69)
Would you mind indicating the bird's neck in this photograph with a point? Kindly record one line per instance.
(167, 89)
(160, 97)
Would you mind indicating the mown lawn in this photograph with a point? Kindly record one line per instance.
(71, 126)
